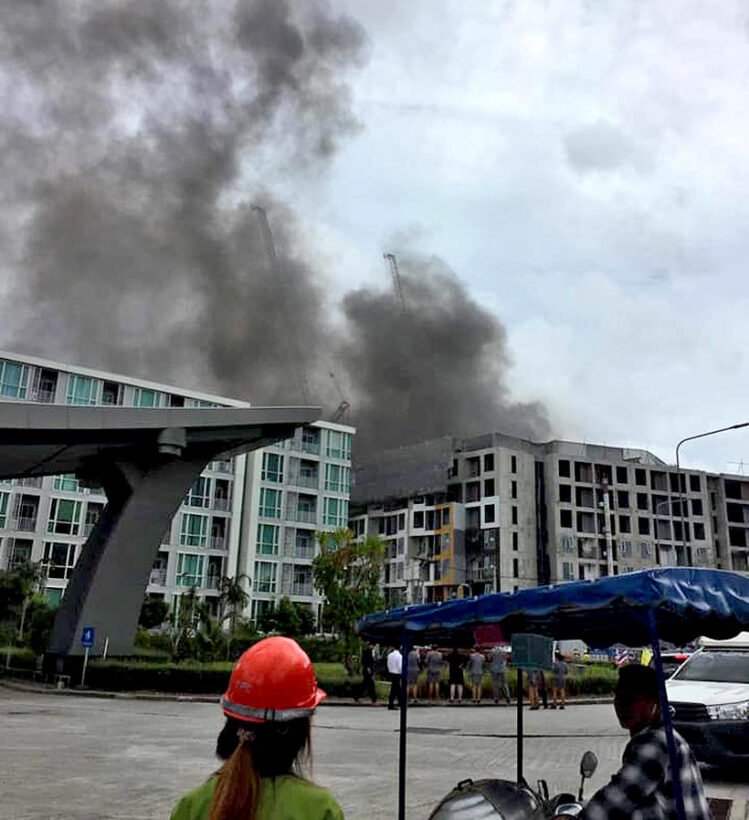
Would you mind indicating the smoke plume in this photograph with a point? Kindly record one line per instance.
(431, 367)
(136, 139)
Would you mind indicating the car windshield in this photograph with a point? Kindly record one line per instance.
(725, 667)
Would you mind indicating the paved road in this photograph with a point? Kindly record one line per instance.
(76, 757)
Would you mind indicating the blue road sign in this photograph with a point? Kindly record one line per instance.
(87, 637)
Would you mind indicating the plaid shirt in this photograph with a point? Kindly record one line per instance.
(642, 788)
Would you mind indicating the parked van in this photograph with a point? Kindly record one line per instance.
(709, 696)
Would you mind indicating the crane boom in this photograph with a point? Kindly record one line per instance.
(395, 273)
(290, 342)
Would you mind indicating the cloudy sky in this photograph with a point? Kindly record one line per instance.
(583, 167)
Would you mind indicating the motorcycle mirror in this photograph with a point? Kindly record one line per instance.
(588, 765)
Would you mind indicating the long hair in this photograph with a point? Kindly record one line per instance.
(252, 751)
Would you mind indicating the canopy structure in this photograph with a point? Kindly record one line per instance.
(686, 603)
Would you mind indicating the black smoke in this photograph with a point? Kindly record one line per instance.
(431, 366)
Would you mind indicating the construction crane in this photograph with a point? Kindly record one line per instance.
(395, 273)
(286, 321)
(739, 464)
(343, 408)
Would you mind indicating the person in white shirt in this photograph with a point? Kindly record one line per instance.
(395, 666)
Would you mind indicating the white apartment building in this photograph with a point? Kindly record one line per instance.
(233, 518)
(495, 512)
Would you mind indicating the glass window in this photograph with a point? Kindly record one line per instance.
(59, 559)
(338, 445)
(200, 493)
(272, 468)
(337, 478)
(14, 380)
(3, 509)
(146, 398)
(53, 596)
(335, 512)
(66, 484)
(567, 544)
(646, 550)
(270, 503)
(83, 390)
(64, 516)
(189, 570)
(267, 539)
(265, 576)
(719, 667)
(194, 530)
(489, 513)
(568, 571)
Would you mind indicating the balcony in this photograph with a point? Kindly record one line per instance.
(211, 581)
(296, 550)
(311, 482)
(223, 467)
(44, 396)
(311, 446)
(24, 524)
(305, 516)
(218, 542)
(157, 577)
(296, 588)
(221, 504)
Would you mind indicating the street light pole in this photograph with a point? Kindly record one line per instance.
(682, 493)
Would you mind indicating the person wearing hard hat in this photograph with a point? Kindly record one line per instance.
(271, 697)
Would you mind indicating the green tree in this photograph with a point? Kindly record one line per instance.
(185, 618)
(41, 618)
(18, 588)
(293, 619)
(233, 598)
(153, 613)
(347, 575)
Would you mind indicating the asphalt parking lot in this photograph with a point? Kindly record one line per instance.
(81, 757)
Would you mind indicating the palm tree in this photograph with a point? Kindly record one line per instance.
(232, 597)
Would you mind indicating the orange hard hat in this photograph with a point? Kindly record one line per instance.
(272, 680)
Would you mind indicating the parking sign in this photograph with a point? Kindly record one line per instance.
(87, 637)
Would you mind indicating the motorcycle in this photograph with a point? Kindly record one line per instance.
(486, 799)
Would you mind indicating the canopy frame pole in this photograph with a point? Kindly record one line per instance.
(403, 727)
(520, 724)
(666, 715)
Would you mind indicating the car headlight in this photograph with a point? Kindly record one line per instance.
(730, 711)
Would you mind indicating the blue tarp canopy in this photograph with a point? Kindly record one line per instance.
(686, 603)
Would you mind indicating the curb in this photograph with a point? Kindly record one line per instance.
(41, 689)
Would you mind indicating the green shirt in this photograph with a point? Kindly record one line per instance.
(281, 798)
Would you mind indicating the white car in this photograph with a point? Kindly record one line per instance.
(709, 697)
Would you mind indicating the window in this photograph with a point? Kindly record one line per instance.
(567, 544)
(514, 540)
(625, 549)
(194, 530)
(270, 503)
(489, 513)
(338, 445)
(642, 501)
(489, 462)
(565, 518)
(259, 608)
(335, 512)
(14, 380)
(400, 571)
(200, 493)
(83, 390)
(565, 493)
(646, 550)
(445, 516)
(66, 484)
(694, 483)
(515, 568)
(337, 478)
(418, 520)
(643, 526)
(621, 475)
(514, 515)
(146, 398)
(568, 571)
(265, 576)
(64, 516)
(267, 539)
(641, 478)
(401, 546)
(513, 489)
(625, 523)
(59, 559)
(699, 531)
(111, 393)
(489, 487)
(622, 499)
(696, 506)
(272, 468)
(513, 464)
(189, 570)
(402, 520)
(564, 468)
(3, 509)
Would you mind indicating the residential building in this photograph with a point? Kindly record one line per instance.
(253, 516)
(495, 512)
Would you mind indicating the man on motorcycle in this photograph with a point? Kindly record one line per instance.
(643, 787)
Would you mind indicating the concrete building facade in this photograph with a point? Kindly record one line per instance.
(500, 513)
(237, 511)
